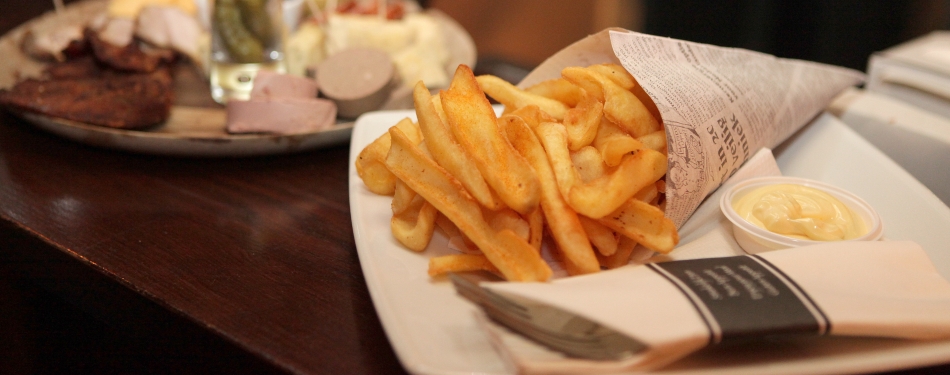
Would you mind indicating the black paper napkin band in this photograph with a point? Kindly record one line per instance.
(744, 297)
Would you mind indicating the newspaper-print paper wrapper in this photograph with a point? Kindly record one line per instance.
(719, 105)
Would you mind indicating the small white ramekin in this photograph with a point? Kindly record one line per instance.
(754, 239)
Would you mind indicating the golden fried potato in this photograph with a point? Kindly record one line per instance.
(512, 255)
(445, 264)
(553, 138)
(370, 167)
(513, 97)
(604, 239)
(578, 158)
(447, 152)
(532, 115)
(536, 228)
(589, 164)
(565, 227)
(614, 143)
(644, 223)
(621, 257)
(582, 122)
(604, 195)
(621, 106)
(616, 73)
(475, 126)
(558, 89)
(655, 140)
(414, 224)
(510, 220)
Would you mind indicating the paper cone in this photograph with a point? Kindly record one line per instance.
(718, 105)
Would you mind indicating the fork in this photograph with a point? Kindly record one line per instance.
(553, 327)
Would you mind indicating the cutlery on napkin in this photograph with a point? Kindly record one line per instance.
(686, 301)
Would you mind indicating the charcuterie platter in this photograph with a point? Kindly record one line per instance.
(196, 124)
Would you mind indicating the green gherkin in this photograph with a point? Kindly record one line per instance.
(241, 43)
(256, 19)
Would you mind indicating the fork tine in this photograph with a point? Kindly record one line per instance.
(482, 295)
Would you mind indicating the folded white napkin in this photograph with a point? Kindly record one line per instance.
(881, 289)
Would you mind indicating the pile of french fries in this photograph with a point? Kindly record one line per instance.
(579, 160)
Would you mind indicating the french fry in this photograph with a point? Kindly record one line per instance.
(513, 97)
(601, 237)
(444, 264)
(536, 228)
(436, 101)
(566, 229)
(455, 236)
(475, 126)
(621, 257)
(644, 223)
(414, 226)
(648, 194)
(621, 106)
(655, 140)
(582, 122)
(447, 152)
(614, 143)
(402, 197)
(558, 89)
(511, 220)
(532, 115)
(512, 255)
(586, 79)
(589, 164)
(370, 167)
(616, 73)
(553, 138)
(604, 195)
(375, 176)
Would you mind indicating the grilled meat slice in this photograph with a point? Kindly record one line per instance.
(81, 67)
(126, 101)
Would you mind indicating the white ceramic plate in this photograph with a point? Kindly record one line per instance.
(196, 126)
(433, 330)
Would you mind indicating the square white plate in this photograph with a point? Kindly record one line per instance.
(433, 330)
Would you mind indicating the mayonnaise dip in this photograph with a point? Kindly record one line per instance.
(799, 211)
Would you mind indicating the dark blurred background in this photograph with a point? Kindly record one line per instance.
(840, 32)
(520, 34)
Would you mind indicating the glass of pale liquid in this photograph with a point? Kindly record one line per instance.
(247, 36)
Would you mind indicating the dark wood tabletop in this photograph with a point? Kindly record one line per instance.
(250, 261)
(259, 251)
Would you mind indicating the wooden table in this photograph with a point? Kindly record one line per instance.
(257, 251)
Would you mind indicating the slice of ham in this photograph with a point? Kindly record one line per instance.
(268, 84)
(281, 104)
(280, 116)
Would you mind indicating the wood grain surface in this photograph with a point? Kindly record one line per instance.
(257, 250)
